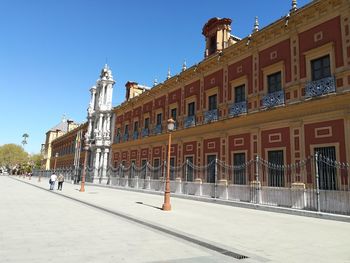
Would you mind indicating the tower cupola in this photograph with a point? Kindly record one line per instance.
(217, 32)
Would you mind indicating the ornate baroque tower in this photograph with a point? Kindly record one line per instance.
(99, 123)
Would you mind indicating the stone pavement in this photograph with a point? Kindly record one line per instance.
(46, 226)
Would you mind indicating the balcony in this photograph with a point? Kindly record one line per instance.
(320, 87)
(273, 99)
(238, 108)
(211, 115)
(125, 137)
(157, 129)
(135, 135)
(190, 121)
(145, 132)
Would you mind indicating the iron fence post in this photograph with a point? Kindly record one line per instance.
(257, 168)
(317, 184)
(216, 176)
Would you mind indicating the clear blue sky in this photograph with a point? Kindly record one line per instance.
(52, 51)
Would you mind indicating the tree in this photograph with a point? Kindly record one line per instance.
(11, 155)
(35, 159)
(25, 137)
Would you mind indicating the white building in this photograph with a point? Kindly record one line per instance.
(99, 124)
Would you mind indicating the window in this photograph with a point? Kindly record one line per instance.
(173, 114)
(239, 170)
(212, 45)
(327, 172)
(143, 168)
(212, 102)
(126, 130)
(146, 123)
(172, 168)
(189, 169)
(191, 109)
(159, 119)
(320, 68)
(136, 126)
(211, 169)
(240, 93)
(276, 170)
(274, 82)
(157, 169)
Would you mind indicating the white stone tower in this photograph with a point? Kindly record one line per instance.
(99, 124)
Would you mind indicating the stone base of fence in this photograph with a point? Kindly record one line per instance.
(104, 180)
(222, 192)
(198, 187)
(255, 190)
(136, 182)
(148, 183)
(298, 195)
(178, 185)
(96, 180)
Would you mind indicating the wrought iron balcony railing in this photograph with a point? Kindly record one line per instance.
(145, 132)
(125, 137)
(190, 121)
(238, 108)
(320, 87)
(157, 129)
(135, 135)
(211, 115)
(273, 99)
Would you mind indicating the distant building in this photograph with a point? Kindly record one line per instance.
(65, 126)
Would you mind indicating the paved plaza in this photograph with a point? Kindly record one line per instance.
(113, 225)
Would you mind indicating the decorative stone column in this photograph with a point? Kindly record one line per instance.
(97, 167)
(104, 164)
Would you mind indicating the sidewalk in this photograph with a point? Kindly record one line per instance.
(259, 235)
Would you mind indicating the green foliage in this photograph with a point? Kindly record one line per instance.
(12, 154)
(35, 160)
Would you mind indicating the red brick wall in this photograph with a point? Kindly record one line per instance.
(239, 142)
(190, 148)
(137, 112)
(212, 146)
(174, 97)
(214, 80)
(331, 32)
(239, 69)
(272, 55)
(276, 138)
(193, 89)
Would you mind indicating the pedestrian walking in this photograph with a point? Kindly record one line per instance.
(60, 180)
(52, 181)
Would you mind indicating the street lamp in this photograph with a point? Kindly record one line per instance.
(167, 205)
(86, 148)
(54, 167)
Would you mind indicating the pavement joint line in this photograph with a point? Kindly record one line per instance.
(150, 225)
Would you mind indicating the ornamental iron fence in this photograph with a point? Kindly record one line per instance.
(317, 183)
